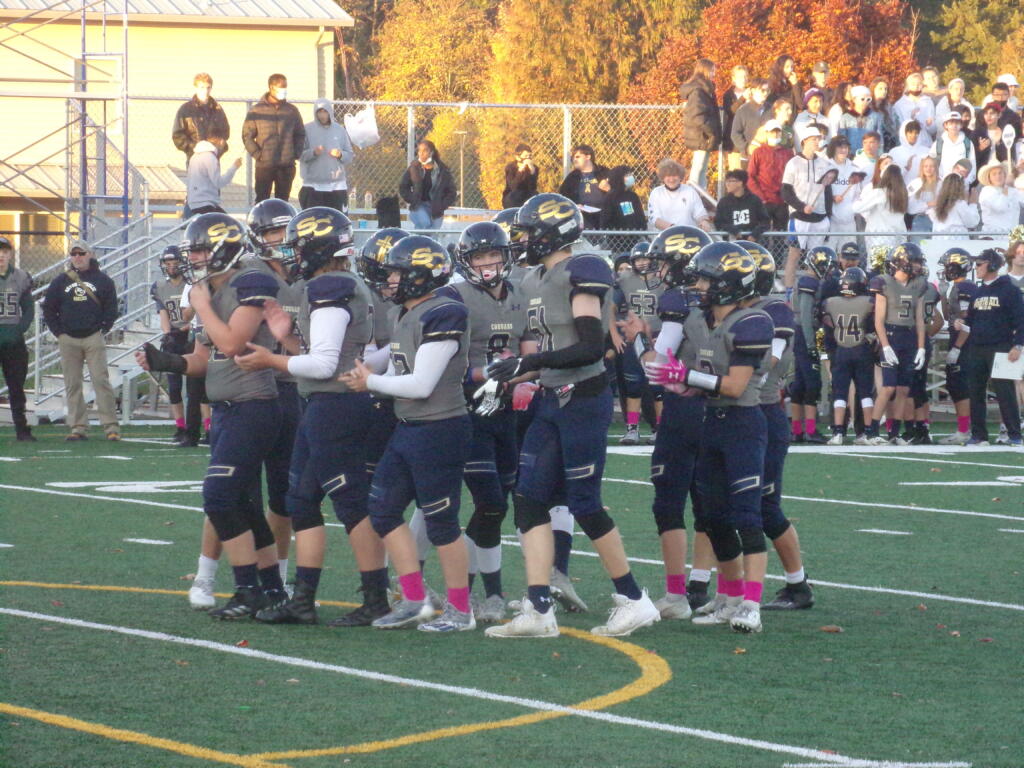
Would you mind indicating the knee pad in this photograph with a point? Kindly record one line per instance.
(839, 404)
(724, 540)
(529, 514)
(261, 533)
(867, 404)
(484, 527)
(773, 528)
(596, 524)
(669, 519)
(752, 541)
(442, 522)
(306, 518)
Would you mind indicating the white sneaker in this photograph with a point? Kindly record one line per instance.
(747, 617)
(200, 595)
(627, 616)
(721, 615)
(673, 607)
(527, 623)
(711, 606)
(565, 593)
(836, 439)
(878, 440)
(957, 438)
(491, 610)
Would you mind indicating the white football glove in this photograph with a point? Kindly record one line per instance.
(952, 356)
(488, 398)
(919, 359)
(889, 356)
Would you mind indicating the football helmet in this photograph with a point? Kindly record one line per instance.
(266, 216)
(314, 236)
(675, 247)
(423, 265)
(506, 219)
(906, 258)
(853, 282)
(849, 252)
(820, 260)
(370, 262)
(483, 237)
(730, 272)
(550, 222)
(220, 236)
(764, 280)
(994, 257)
(170, 261)
(955, 263)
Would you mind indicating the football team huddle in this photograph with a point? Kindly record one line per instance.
(387, 376)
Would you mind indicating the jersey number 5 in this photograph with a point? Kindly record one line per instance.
(535, 315)
(401, 364)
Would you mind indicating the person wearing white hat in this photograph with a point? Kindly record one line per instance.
(916, 105)
(807, 190)
(860, 118)
(952, 145)
(1000, 203)
(765, 169)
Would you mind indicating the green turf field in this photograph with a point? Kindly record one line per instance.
(924, 581)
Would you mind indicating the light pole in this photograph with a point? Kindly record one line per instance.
(462, 165)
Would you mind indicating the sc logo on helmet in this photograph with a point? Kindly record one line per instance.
(738, 262)
(555, 209)
(228, 233)
(684, 244)
(425, 257)
(314, 227)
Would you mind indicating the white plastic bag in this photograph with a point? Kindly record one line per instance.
(362, 127)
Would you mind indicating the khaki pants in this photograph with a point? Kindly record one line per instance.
(93, 352)
(734, 161)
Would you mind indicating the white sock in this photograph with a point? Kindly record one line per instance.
(283, 567)
(207, 568)
(489, 559)
(471, 548)
(562, 519)
(699, 574)
(796, 577)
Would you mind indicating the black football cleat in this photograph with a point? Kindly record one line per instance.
(375, 605)
(697, 597)
(815, 438)
(300, 608)
(243, 605)
(25, 436)
(179, 434)
(792, 597)
(796, 439)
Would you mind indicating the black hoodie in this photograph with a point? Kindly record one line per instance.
(623, 209)
(68, 308)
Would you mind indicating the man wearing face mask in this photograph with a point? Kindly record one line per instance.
(623, 209)
(275, 137)
(767, 164)
(200, 118)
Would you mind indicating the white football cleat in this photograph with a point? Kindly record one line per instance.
(957, 438)
(200, 595)
(836, 439)
(747, 618)
(627, 616)
(491, 610)
(722, 614)
(860, 440)
(527, 623)
(565, 593)
(878, 440)
(673, 607)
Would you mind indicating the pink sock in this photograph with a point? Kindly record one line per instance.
(632, 418)
(733, 588)
(798, 427)
(888, 425)
(752, 591)
(412, 586)
(179, 423)
(206, 424)
(675, 583)
(963, 423)
(811, 426)
(459, 597)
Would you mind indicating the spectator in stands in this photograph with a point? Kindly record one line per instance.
(782, 113)
(952, 212)
(520, 178)
(932, 87)
(80, 306)
(623, 209)
(740, 212)
(1000, 202)
(883, 208)
(586, 185)
(702, 124)
(427, 187)
(916, 105)
(732, 101)
(767, 164)
(15, 319)
(812, 112)
(808, 196)
(859, 118)
(988, 138)
(954, 97)
(749, 117)
(325, 154)
(845, 189)
(869, 153)
(205, 181)
(922, 193)
(842, 102)
(274, 135)
(881, 104)
(951, 146)
(673, 202)
(784, 84)
(1010, 81)
(1007, 116)
(819, 76)
(200, 118)
(908, 153)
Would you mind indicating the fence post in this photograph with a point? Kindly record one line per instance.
(250, 193)
(410, 134)
(38, 346)
(566, 141)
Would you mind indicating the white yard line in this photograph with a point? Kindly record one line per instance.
(160, 542)
(1011, 530)
(885, 532)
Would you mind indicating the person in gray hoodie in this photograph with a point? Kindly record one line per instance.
(204, 180)
(322, 164)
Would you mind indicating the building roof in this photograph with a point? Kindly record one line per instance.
(295, 13)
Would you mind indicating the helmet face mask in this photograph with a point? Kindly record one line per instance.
(820, 260)
(171, 262)
(415, 266)
(212, 245)
(726, 274)
(476, 242)
(906, 258)
(370, 262)
(315, 236)
(955, 264)
(506, 219)
(671, 255)
(549, 222)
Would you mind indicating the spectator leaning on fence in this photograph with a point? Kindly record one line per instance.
(274, 135)
(80, 306)
(702, 124)
(765, 169)
(200, 118)
(322, 164)
(623, 210)
(520, 178)
(427, 187)
(673, 202)
(17, 310)
(586, 185)
(205, 181)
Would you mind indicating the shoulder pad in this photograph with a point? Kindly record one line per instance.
(877, 283)
(590, 274)
(450, 291)
(782, 317)
(753, 333)
(673, 307)
(808, 284)
(445, 321)
(253, 288)
(331, 290)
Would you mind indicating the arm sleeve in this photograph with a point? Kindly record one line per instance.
(697, 209)
(589, 349)
(298, 135)
(226, 177)
(1016, 306)
(652, 208)
(179, 134)
(327, 328)
(51, 306)
(669, 338)
(405, 187)
(789, 197)
(377, 361)
(431, 360)
(307, 151)
(347, 153)
(155, 296)
(110, 309)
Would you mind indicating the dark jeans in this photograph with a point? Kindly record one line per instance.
(779, 214)
(14, 362)
(279, 177)
(338, 199)
(979, 369)
(188, 213)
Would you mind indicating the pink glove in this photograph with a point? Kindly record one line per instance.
(665, 374)
(523, 394)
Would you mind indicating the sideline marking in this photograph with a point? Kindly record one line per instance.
(161, 542)
(874, 530)
(135, 737)
(9, 458)
(94, 497)
(936, 461)
(11, 546)
(475, 693)
(1002, 530)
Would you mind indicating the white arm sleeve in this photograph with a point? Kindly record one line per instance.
(431, 360)
(327, 327)
(669, 338)
(378, 360)
(778, 348)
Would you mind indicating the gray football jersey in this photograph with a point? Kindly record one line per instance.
(641, 299)
(224, 379)
(851, 319)
(785, 329)
(548, 295)
(900, 300)
(695, 335)
(167, 296)
(518, 273)
(931, 298)
(12, 288)
(745, 333)
(289, 296)
(495, 325)
(384, 316)
(439, 318)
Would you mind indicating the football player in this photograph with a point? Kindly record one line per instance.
(506, 220)
(917, 413)
(851, 318)
(426, 455)
(956, 267)
(246, 411)
(166, 294)
(565, 444)
(899, 326)
(335, 323)
(733, 358)
(497, 329)
(805, 389)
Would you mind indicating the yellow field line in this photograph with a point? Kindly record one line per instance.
(654, 672)
(134, 737)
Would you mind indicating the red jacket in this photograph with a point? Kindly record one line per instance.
(765, 171)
